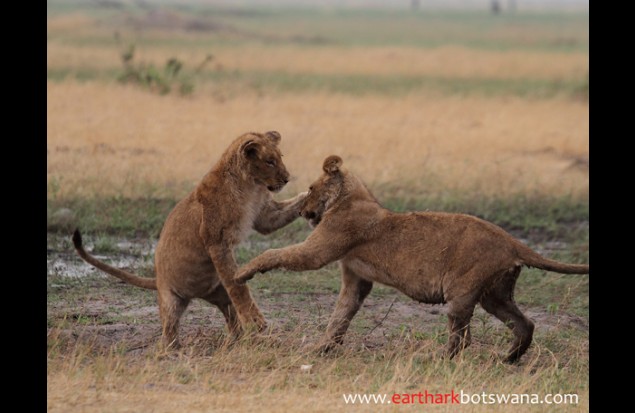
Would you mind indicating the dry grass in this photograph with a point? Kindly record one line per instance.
(110, 139)
(286, 390)
(102, 351)
(211, 374)
(105, 139)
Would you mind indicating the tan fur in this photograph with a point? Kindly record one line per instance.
(194, 257)
(432, 257)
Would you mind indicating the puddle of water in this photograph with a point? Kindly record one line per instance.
(62, 260)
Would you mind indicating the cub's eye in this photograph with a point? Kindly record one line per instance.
(311, 188)
(271, 163)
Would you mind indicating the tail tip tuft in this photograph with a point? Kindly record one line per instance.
(77, 239)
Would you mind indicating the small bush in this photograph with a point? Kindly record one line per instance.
(154, 79)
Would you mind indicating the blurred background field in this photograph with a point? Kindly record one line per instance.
(429, 104)
(437, 105)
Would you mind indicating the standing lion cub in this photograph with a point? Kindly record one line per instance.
(432, 257)
(195, 254)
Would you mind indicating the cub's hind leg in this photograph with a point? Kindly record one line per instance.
(499, 302)
(171, 308)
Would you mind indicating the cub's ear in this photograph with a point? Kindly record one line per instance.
(274, 136)
(332, 165)
(250, 149)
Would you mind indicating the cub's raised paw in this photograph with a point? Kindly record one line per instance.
(243, 276)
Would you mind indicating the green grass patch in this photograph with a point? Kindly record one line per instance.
(112, 215)
(554, 293)
(552, 215)
(398, 85)
(555, 217)
(357, 85)
(81, 74)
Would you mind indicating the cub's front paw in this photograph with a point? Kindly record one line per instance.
(244, 274)
(327, 347)
(299, 200)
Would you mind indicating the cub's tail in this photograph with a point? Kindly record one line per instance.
(531, 258)
(148, 283)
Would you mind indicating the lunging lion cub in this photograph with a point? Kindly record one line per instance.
(432, 257)
(194, 256)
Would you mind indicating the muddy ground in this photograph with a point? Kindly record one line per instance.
(86, 305)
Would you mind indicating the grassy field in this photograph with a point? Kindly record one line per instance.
(102, 338)
(439, 110)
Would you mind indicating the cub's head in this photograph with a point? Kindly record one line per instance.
(264, 160)
(323, 192)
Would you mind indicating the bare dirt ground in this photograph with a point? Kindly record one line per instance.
(86, 305)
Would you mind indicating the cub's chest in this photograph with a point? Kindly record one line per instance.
(250, 209)
(229, 219)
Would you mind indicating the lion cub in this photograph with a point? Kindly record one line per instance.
(194, 257)
(432, 257)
